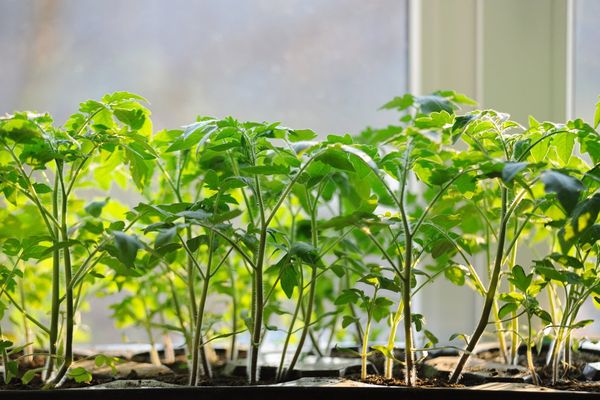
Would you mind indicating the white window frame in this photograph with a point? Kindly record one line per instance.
(528, 72)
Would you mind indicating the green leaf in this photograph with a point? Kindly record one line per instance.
(200, 215)
(507, 309)
(566, 260)
(164, 237)
(460, 122)
(95, 207)
(5, 344)
(564, 143)
(520, 279)
(289, 279)
(386, 351)
(381, 308)
(266, 170)
(433, 340)
(117, 97)
(434, 103)
(399, 103)
(194, 134)
(42, 188)
(418, 321)
(134, 118)
(348, 296)
(11, 369)
(543, 315)
(567, 188)
(582, 323)
(584, 216)
(336, 159)
(347, 320)
(30, 374)
(459, 336)
(300, 135)
(127, 248)
(305, 252)
(80, 375)
(512, 169)
(551, 274)
(455, 274)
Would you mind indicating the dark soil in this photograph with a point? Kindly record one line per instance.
(432, 382)
(571, 379)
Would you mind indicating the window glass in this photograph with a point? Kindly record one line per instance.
(321, 64)
(587, 58)
(586, 91)
(327, 65)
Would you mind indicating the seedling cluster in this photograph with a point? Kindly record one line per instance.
(320, 239)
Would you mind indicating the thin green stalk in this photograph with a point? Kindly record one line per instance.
(365, 346)
(234, 305)
(558, 341)
(68, 288)
(359, 331)
(315, 342)
(55, 307)
(49, 221)
(147, 323)
(490, 295)
(197, 348)
(497, 322)
(290, 331)
(26, 314)
(500, 332)
(530, 363)
(410, 372)
(26, 328)
(514, 341)
(312, 288)
(391, 344)
(258, 288)
(5, 359)
(179, 314)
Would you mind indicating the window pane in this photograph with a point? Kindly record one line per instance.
(321, 64)
(587, 58)
(586, 91)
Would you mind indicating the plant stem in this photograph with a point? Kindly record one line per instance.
(409, 371)
(5, 359)
(490, 295)
(500, 332)
(258, 297)
(514, 341)
(359, 330)
(147, 323)
(232, 354)
(391, 344)
(290, 331)
(365, 347)
(26, 329)
(312, 288)
(68, 287)
(55, 287)
(530, 364)
(196, 347)
(177, 308)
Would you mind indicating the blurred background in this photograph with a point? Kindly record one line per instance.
(327, 65)
(323, 64)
